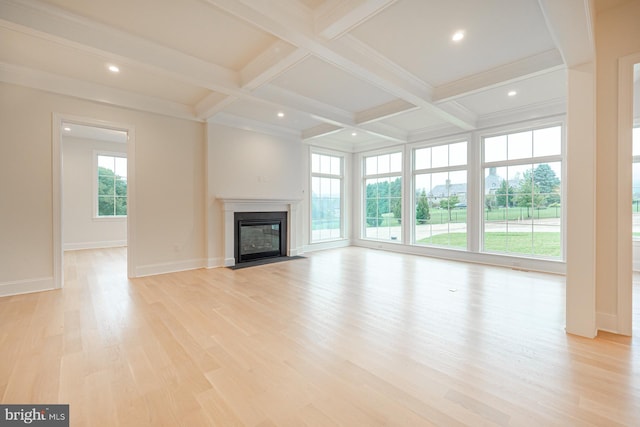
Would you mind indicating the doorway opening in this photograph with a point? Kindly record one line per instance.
(93, 177)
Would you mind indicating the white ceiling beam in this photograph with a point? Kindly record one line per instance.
(525, 68)
(383, 111)
(317, 109)
(571, 23)
(59, 26)
(56, 25)
(385, 132)
(36, 79)
(232, 120)
(336, 17)
(274, 61)
(323, 129)
(212, 104)
(275, 18)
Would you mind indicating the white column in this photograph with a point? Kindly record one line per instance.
(580, 201)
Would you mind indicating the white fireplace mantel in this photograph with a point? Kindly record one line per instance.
(231, 205)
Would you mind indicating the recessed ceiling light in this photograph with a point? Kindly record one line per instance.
(280, 114)
(66, 129)
(114, 68)
(354, 133)
(457, 36)
(512, 93)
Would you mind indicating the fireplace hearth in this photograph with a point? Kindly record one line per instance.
(259, 236)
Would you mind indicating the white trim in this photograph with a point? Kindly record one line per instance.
(329, 244)
(607, 322)
(514, 262)
(57, 190)
(170, 267)
(624, 230)
(27, 286)
(94, 245)
(215, 262)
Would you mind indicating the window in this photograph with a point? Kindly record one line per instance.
(111, 185)
(522, 193)
(326, 197)
(440, 197)
(383, 197)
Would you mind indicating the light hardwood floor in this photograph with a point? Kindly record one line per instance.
(349, 337)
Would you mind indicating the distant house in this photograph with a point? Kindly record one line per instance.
(492, 183)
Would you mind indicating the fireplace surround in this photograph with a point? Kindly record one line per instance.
(230, 206)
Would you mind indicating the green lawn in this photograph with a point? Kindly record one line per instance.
(441, 216)
(541, 243)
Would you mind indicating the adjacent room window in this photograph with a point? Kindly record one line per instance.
(522, 193)
(111, 197)
(326, 197)
(440, 195)
(383, 197)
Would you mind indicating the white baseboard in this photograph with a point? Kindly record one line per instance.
(334, 244)
(215, 262)
(94, 245)
(170, 267)
(26, 286)
(518, 263)
(607, 322)
(296, 251)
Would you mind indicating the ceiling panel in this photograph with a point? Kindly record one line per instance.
(191, 26)
(316, 79)
(414, 120)
(535, 90)
(416, 34)
(262, 112)
(34, 52)
(347, 137)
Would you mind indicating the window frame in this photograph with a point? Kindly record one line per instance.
(341, 177)
(556, 158)
(439, 169)
(95, 200)
(363, 188)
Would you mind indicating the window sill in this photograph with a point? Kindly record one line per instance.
(119, 218)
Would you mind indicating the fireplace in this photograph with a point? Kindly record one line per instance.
(233, 205)
(259, 235)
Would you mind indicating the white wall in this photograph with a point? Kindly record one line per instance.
(244, 164)
(617, 35)
(81, 230)
(170, 182)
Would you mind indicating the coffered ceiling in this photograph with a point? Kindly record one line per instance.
(350, 74)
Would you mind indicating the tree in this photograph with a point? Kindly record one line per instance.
(449, 203)
(422, 208)
(383, 197)
(529, 194)
(547, 182)
(112, 193)
(505, 194)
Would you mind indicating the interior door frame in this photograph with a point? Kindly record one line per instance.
(57, 170)
(625, 239)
